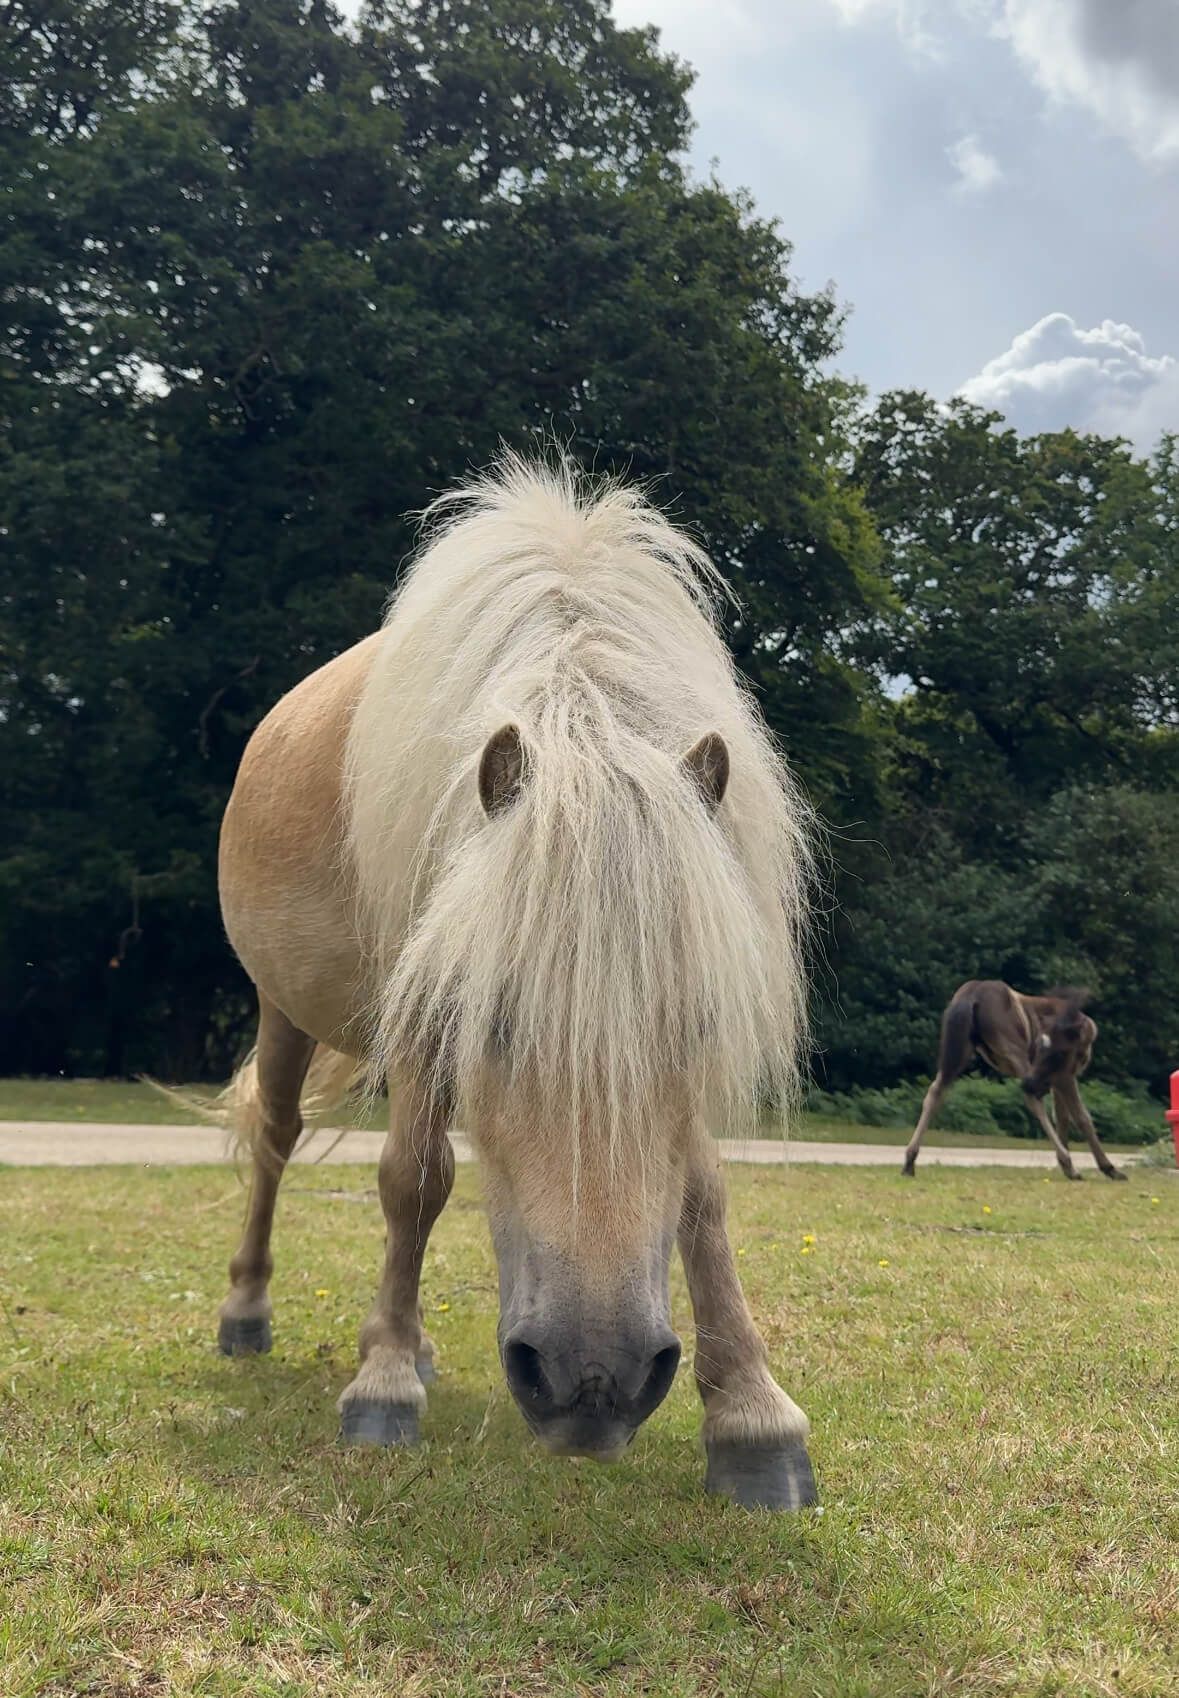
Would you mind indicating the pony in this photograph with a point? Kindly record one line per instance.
(528, 853)
(1046, 1042)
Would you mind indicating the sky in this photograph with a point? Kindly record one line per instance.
(992, 186)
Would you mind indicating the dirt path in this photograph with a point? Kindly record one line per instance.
(52, 1143)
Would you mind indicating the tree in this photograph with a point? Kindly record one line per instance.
(292, 281)
(1029, 761)
(1106, 902)
(1022, 570)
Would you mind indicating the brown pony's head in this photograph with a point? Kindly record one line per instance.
(1064, 1047)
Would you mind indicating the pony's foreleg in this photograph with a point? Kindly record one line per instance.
(933, 1101)
(384, 1403)
(1069, 1106)
(1035, 1107)
(269, 1108)
(754, 1435)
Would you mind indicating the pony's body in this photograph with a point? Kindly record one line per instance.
(287, 895)
(493, 853)
(1046, 1042)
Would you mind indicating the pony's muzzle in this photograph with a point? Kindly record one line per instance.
(587, 1398)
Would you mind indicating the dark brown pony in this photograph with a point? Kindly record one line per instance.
(1045, 1042)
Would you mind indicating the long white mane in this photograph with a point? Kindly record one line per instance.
(606, 938)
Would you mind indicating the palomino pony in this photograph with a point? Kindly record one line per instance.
(1046, 1042)
(528, 853)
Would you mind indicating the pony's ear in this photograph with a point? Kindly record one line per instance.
(501, 770)
(707, 765)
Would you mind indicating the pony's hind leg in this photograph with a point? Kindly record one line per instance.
(934, 1097)
(955, 1052)
(754, 1435)
(384, 1403)
(1069, 1106)
(268, 1103)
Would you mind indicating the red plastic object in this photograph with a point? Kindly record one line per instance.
(1173, 1112)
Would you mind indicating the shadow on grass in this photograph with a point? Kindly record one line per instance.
(263, 1435)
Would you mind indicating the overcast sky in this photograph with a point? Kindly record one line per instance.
(992, 185)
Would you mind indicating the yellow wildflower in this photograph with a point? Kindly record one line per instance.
(442, 1308)
(1154, 1199)
(808, 1237)
(986, 1208)
(807, 1250)
(323, 1291)
(883, 1262)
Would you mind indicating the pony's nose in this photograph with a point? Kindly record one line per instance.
(588, 1396)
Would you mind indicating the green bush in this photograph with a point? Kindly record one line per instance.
(1124, 1117)
(991, 1105)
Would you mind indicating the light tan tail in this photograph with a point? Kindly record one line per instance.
(331, 1077)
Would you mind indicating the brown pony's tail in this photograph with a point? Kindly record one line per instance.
(957, 1045)
(238, 1108)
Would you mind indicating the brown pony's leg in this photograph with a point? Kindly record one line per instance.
(956, 1050)
(934, 1098)
(754, 1435)
(1035, 1107)
(1069, 1106)
(281, 1061)
(384, 1403)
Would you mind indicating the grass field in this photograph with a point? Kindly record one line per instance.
(105, 1100)
(993, 1396)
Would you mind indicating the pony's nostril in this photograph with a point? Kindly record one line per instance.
(658, 1381)
(606, 1386)
(524, 1368)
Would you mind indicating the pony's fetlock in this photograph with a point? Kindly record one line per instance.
(387, 1376)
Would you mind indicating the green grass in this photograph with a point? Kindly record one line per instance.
(106, 1100)
(994, 1431)
(115, 1100)
(824, 1131)
(111, 1101)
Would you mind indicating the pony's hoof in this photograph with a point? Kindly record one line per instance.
(909, 1170)
(426, 1371)
(244, 1335)
(1071, 1173)
(761, 1476)
(366, 1422)
(1114, 1173)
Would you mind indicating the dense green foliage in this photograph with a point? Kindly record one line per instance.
(267, 284)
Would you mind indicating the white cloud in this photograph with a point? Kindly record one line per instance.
(911, 18)
(1103, 379)
(1118, 58)
(977, 169)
